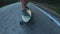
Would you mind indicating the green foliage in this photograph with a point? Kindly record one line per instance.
(6, 2)
(58, 9)
(48, 1)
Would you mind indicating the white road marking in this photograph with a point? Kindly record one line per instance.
(55, 20)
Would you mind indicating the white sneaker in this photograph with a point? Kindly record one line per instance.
(26, 18)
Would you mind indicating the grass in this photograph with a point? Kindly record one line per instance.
(7, 2)
(52, 7)
(58, 9)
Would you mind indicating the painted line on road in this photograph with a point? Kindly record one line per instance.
(55, 20)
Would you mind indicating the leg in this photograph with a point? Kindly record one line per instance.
(25, 14)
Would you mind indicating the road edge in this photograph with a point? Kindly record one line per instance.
(51, 11)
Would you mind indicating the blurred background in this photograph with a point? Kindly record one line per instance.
(51, 4)
(5, 2)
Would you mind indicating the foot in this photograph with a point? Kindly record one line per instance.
(26, 15)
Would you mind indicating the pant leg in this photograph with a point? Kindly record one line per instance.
(24, 3)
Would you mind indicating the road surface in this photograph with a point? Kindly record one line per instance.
(10, 17)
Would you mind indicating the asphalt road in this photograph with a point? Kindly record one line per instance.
(10, 17)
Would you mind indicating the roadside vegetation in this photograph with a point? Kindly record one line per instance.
(6, 2)
(51, 4)
(52, 7)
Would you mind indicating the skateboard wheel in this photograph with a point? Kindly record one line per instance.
(21, 22)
